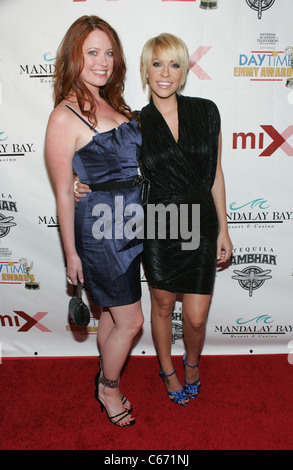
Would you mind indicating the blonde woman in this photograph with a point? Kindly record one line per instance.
(181, 156)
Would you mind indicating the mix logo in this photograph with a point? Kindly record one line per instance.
(193, 62)
(279, 140)
(13, 321)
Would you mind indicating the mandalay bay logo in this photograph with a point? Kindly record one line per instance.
(256, 213)
(261, 326)
(11, 151)
(43, 71)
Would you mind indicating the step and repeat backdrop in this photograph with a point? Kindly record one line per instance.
(241, 55)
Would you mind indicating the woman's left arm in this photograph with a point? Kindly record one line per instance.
(224, 244)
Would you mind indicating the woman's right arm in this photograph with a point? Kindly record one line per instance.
(60, 149)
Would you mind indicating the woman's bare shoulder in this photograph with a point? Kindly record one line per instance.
(63, 118)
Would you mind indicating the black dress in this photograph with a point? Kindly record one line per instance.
(181, 172)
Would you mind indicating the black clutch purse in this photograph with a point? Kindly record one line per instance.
(77, 309)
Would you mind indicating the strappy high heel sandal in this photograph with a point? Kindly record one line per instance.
(180, 397)
(120, 416)
(192, 388)
(123, 398)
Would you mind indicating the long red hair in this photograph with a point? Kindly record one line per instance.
(69, 65)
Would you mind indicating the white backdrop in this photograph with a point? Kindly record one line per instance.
(237, 59)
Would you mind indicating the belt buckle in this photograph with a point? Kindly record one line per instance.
(137, 181)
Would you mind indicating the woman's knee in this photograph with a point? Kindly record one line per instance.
(195, 322)
(162, 306)
(195, 311)
(138, 322)
(129, 319)
(135, 322)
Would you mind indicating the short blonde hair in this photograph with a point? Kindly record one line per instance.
(160, 46)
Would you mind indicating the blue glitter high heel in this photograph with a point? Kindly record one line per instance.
(192, 388)
(180, 397)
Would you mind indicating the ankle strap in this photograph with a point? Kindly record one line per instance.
(186, 363)
(162, 374)
(109, 383)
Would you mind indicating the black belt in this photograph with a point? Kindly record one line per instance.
(137, 181)
(116, 184)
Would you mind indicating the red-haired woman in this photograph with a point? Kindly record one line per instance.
(93, 131)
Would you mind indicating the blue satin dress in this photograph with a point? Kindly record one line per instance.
(110, 261)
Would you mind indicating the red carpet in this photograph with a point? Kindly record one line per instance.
(245, 404)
